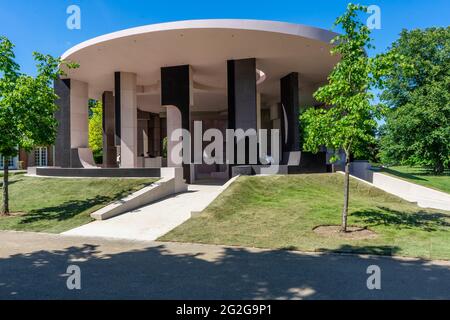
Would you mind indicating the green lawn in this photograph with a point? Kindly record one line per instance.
(421, 176)
(12, 173)
(58, 205)
(281, 212)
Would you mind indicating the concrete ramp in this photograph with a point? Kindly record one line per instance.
(171, 183)
(152, 221)
(423, 196)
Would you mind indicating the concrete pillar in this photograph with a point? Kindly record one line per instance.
(258, 111)
(109, 148)
(79, 115)
(145, 139)
(62, 115)
(242, 97)
(174, 122)
(177, 91)
(156, 136)
(73, 117)
(142, 132)
(290, 113)
(126, 98)
(276, 123)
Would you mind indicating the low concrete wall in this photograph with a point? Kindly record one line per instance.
(31, 171)
(171, 183)
(362, 170)
(95, 172)
(305, 163)
(423, 196)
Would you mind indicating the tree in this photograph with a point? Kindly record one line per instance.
(27, 106)
(96, 128)
(417, 129)
(349, 121)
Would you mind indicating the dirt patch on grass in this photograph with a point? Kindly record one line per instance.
(13, 214)
(353, 233)
(18, 214)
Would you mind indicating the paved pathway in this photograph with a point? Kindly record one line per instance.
(155, 220)
(33, 266)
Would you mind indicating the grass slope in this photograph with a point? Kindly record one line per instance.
(58, 205)
(281, 212)
(421, 176)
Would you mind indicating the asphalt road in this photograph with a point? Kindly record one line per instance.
(34, 266)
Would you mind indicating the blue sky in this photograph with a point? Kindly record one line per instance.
(40, 25)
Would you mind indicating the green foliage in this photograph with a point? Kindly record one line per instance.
(349, 120)
(417, 130)
(27, 104)
(349, 123)
(96, 129)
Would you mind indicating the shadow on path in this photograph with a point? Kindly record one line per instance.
(160, 272)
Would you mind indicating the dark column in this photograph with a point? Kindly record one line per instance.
(109, 146)
(242, 110)
(290, 113)
(154, 143)
(176, 91)
(242, 94)
(62, 115)
(151, 136)
(117, 107)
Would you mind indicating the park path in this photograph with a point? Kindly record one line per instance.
(154, 220)
(34, 266)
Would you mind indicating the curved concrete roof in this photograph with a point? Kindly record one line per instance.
(279, 47)
(236, 24)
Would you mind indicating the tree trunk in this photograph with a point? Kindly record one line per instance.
(346, 194)
(5, 206)
(439, 168)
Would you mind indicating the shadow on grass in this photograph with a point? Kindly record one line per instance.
(64, 211)
(419, 172)
(11, 182)
(157, 272)
(403, 220)
(380, 250)
(415, 176)
(70, 209)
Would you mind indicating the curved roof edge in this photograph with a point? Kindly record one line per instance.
(237, 24)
